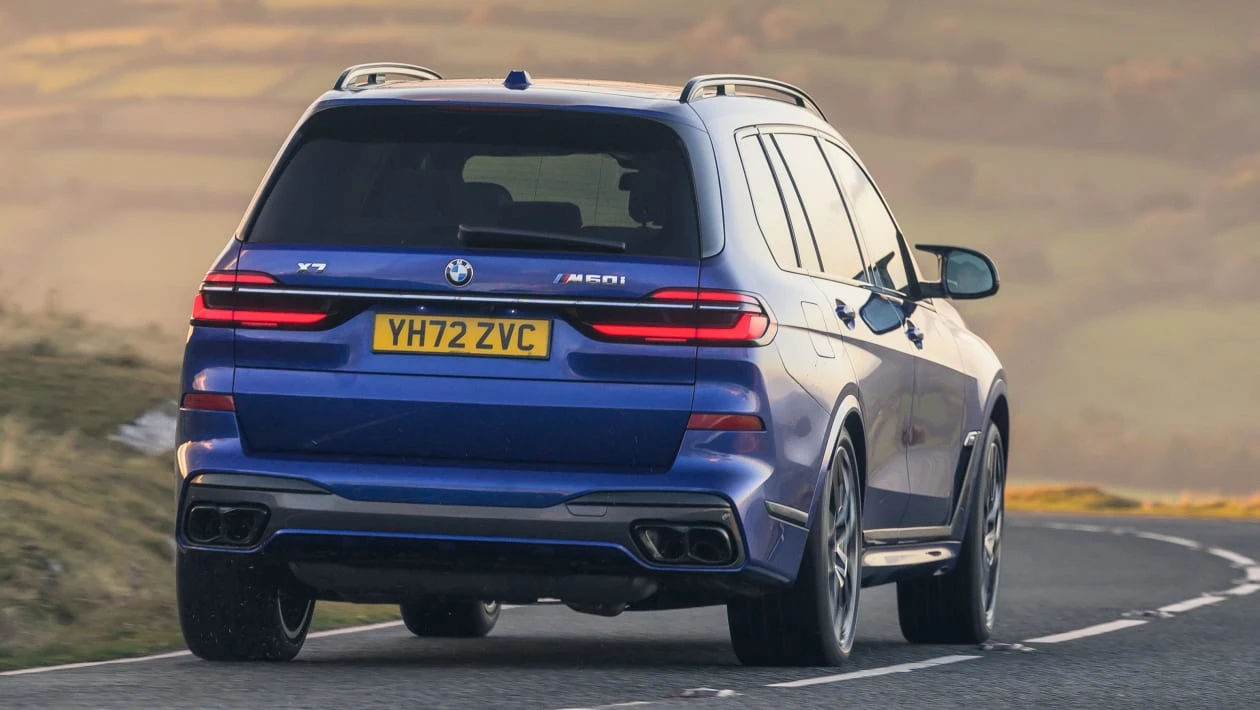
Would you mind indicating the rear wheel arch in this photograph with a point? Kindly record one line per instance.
(847, 418)
(994, 409)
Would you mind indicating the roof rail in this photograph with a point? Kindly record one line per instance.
(697, 84)
(376, 70)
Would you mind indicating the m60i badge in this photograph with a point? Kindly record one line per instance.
(598, 279)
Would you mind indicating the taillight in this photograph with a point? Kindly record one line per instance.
(685, 316)
(220, 302)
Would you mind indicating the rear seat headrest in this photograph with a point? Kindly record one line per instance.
(479, 202)
(486, 192)
(649, 196)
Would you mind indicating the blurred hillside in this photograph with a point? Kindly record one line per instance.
(1105, 152)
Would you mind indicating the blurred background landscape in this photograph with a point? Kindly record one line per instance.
(1106, 153)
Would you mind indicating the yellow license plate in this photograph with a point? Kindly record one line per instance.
(450, 335)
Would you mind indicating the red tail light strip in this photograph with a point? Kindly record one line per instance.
(702, 296)
(239, 277)
(749, 322)
(228, 282)
(749, 327)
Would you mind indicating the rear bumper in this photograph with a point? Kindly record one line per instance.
(584, 549)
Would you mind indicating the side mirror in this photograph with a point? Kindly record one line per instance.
(966, 274)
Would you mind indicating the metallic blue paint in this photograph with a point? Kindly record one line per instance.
(320, 406)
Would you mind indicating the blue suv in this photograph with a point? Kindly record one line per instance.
(631, 347)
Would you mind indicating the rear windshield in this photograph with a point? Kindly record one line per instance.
(406, 176)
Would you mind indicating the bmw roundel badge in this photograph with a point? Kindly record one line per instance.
(459, 273)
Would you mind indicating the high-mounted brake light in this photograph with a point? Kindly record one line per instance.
(712, 318)
(220, 303)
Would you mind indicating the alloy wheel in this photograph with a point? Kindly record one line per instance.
(843, 544)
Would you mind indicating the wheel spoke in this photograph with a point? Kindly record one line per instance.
(835, 586)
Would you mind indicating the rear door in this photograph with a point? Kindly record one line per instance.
(935, 438)
(867, 322)
(487, 281)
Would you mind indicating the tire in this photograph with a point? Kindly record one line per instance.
(439, 617)
(813, 623)
(960, 607)
(231, 609)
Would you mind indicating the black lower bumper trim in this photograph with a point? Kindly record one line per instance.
(594, 522)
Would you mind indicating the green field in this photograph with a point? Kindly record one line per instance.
(1105, 152)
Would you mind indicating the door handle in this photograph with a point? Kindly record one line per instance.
(913, 333)
(846, 314)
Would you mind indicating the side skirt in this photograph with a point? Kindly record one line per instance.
(893, 563)
(936, 533)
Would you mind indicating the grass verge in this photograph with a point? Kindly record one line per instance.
(86, 557)
(1087, 499)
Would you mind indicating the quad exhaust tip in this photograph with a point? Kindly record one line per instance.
(683, 544)
(230, 525)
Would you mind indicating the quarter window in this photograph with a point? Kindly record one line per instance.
(767, 204)
(805, 247)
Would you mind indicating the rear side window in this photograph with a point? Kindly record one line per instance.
(806, 249)
(767, 204)
(410, 176)
(828, 218)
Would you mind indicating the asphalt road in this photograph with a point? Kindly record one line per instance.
(1079, 612)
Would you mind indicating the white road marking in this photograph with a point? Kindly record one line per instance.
(633, 703)
(1253, 574)
(183, 653)
(1095, 630)
(93, 664)
(873, 672)
(353, 630)
(1189, 604)
(1242, 590)
(1077, 527)
(1170, 539)
(1240, 560)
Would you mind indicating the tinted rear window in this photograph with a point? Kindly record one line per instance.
(404, 176)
